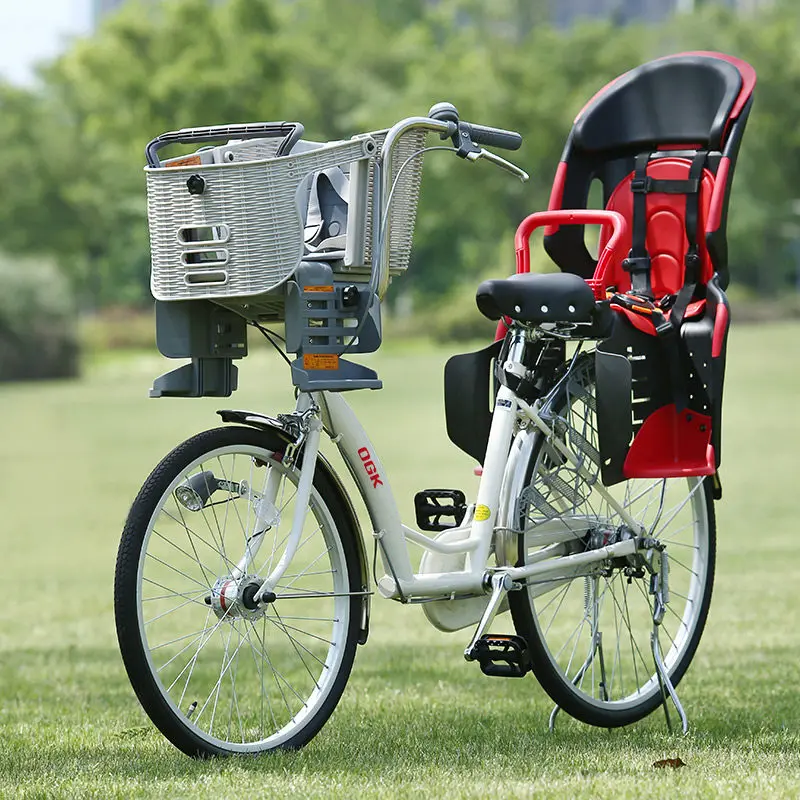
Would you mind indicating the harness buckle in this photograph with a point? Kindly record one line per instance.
(641, 185)
(663, 325)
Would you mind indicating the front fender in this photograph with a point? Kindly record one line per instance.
(507, 543)
(324, 472)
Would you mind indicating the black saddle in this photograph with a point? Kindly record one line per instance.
(528, 297)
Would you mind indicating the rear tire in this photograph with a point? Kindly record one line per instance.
(614, 684)
(238, 680)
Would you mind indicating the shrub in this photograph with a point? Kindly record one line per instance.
(37, 322)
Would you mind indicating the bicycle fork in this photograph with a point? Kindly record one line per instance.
(305, 428)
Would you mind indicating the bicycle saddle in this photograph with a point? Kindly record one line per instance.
(527, 297)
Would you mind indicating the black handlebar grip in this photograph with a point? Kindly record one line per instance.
(494, 137)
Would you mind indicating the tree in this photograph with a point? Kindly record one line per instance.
(73, 146)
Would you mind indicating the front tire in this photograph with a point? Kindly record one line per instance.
(216, 676)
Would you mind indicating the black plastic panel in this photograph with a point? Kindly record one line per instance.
(467, 395)
(199, 329)
(613, 376)
(630, 394)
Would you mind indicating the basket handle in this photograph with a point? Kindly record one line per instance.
(292, 131)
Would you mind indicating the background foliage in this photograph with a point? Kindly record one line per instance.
(38, 336)
(73, 143)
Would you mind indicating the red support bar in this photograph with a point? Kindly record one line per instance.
(718, 196)
(720, 329)
(619, 227)
(557, 195)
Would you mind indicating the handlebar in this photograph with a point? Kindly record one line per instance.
(477, 134)
(443, 119)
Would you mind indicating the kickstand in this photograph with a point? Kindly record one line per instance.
(659, 588)
(551, 725)
(665, 684)
(597, 648)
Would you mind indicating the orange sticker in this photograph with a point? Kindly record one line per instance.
(318, 288)
(320, 361)
(186, 161)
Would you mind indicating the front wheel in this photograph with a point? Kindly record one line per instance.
(588, 629)
(217, 672)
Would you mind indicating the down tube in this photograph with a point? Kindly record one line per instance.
(370, 475)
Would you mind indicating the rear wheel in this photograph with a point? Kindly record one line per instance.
(589, 629)
(217, 672)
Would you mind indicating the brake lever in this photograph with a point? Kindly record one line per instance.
(500, 162)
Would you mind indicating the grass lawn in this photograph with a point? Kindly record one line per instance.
(415, 720)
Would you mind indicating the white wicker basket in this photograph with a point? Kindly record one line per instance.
(248, 218)
(241, 238)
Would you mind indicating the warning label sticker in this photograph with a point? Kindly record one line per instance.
(482, 512)
(320, 361)
(326, 289)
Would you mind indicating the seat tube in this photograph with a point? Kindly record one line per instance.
(497, 449)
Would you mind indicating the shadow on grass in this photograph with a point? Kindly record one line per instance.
(403, 711)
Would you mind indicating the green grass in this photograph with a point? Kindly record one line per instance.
(415, 720)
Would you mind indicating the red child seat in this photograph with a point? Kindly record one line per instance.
(662, 140)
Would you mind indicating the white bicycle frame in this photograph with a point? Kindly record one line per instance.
(494, 505)
(491, 512)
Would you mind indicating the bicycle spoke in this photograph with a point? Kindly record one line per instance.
(216, 547)
(260, 670)
(179, 572)
(297, 650)
(196, 557)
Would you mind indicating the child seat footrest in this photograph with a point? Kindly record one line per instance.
(641, 431)
(202, 377)
(333, 375)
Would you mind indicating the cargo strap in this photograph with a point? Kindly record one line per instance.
(638, 261)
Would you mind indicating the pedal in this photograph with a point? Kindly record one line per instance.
(502, 655)
(440, 509)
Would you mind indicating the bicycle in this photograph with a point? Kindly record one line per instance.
(243, 584)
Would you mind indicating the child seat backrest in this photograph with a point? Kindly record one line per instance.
(662, 140)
